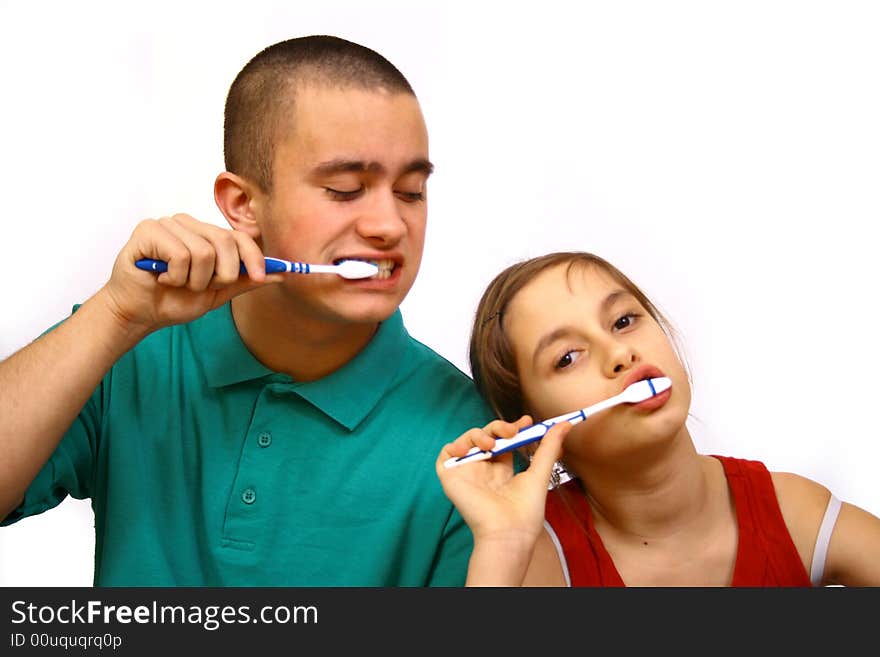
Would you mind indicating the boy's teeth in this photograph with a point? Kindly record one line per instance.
(385, 267)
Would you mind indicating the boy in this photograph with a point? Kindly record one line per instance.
(260, 430)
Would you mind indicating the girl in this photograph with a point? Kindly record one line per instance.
(643, 508)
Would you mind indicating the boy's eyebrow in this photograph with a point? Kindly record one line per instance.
(342, 165)
(562, 331)
(419, 165)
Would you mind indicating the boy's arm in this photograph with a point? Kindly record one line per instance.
(46, 384)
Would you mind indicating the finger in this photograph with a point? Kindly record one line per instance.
(242, 285)
(225, 245)
(549, 451)
(472, 438)
(251, 256)
(152, 239)
(442, 457)
(227, 267)
(202, 253)
(504, 429)
(523, 422)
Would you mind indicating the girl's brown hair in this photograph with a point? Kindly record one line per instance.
(491, 354)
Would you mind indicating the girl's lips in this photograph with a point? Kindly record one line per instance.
(641, 373)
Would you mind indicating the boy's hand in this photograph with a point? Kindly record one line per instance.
(203, 272)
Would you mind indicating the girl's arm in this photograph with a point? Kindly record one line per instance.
(854, 550)
(853, 557)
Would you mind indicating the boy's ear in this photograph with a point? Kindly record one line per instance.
(238, 200)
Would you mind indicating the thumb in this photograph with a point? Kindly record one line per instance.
(549, 451)
(242, 285)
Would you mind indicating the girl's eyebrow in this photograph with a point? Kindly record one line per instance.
(612, 298)
(563, 331)
(549, 338)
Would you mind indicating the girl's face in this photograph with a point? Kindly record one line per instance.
(581, 337)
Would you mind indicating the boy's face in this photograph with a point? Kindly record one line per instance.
(580, 338)
(349, 181)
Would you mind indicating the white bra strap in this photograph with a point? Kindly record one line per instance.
(820, 551)
(559, 552)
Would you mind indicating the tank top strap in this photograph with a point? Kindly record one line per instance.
(569, 514)
(766, 555)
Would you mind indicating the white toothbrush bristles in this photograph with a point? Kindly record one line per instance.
(356, 269)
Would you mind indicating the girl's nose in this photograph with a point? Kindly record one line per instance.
(621, 357)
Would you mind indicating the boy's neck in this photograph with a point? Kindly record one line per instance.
(291, 342)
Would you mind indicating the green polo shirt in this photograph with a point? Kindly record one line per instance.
(205, 468)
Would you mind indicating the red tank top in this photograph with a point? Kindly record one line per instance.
(765, 555)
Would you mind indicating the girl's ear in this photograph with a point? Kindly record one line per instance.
(239, 201)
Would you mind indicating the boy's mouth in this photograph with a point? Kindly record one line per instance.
(386, 266)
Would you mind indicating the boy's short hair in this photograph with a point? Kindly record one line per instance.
(264, 91)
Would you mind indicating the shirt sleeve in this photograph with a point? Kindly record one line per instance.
(454, 553)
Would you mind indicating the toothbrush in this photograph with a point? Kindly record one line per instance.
(632, 394)
(346, 268)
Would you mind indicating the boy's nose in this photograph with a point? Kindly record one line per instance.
(381, 221)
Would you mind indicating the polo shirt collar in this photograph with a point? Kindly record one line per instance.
(346, 395)
(224, 357)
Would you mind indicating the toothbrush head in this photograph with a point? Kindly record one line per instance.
(356, 269)
(645, 389)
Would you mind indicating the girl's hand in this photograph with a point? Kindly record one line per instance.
(497, 505)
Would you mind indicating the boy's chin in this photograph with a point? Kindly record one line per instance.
(367, 313)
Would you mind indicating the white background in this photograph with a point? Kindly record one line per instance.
(725, 155)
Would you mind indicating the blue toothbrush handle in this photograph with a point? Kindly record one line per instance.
(523, 437)
(148, 264)
(273, 266)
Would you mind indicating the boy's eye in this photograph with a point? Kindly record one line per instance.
(410, 197)
(567, 360)
(342, 195)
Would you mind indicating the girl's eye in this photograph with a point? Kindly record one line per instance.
(339, 195)
(625, 321)
(568, 359)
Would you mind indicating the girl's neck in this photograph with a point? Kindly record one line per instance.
(656, 494)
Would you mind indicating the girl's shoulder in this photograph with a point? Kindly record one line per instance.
(799, 497)
(802, 502)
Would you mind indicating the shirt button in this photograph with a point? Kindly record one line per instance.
(249, 496)
(265, 439)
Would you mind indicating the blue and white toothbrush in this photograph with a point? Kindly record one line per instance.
(346, 268)
(632, 394)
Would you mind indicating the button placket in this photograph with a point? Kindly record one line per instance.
(245, 519)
